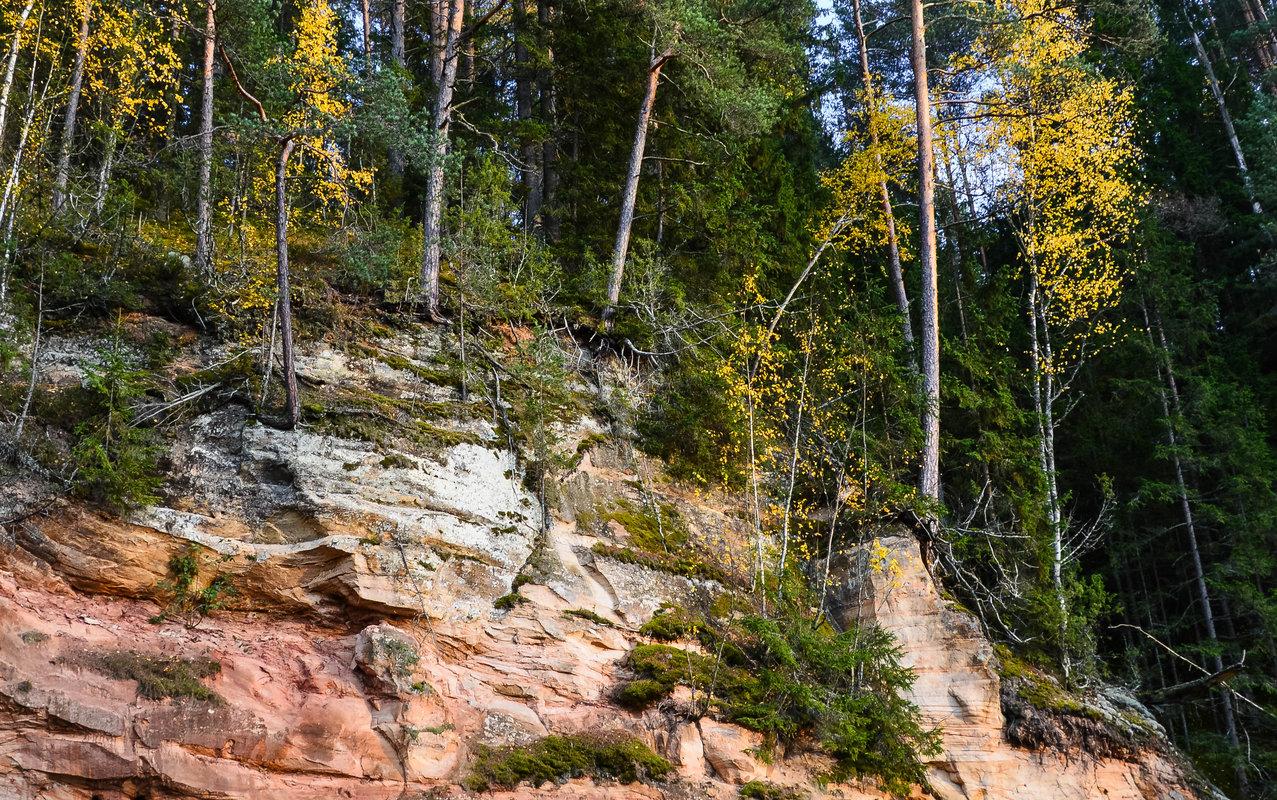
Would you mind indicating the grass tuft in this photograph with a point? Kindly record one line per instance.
(560, 758)
(160, 677)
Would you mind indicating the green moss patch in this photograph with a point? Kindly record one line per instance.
(672, 624)
(560, 758)
(365, 415)
(647, 531)
(508, 601)
(1039, 689)
(763, 790)
(440, 376)
(684, 564)
(588, 615)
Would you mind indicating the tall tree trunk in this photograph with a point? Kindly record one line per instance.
(529, 175)
(1043, 393)
(929, 480)
(1261, 39)
(549, 147)
(440, 12)
(1259, 47)
(35, 368)
(1168, 394)
(466, 70)
(62, 172)
(366, 18)
(1227, 118)
(282, 280)
(1055, 514)
(1269, 37)
(884, 194)
(398, 22)
(11, 66)
(967, 193)
(204, 200)
(955, 246)
(104, 172)
(434, 192)
(630, 193)
(9, 200)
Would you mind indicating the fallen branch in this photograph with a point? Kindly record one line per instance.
(153, 410)
(1196, 686)
(1236, 694)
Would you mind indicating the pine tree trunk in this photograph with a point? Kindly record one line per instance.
(955, 248)
(11, 66)
(434, 191)
(1261, 39)
(62, 172)
(629, 194)
(282, 281)
(529, 175)
(1171, 411)
(929, 481)
(884, 195)
(398, 24)
(1227, 118)
(366, 18)
(204, 201)
(439, 15)
(1269, 37)
(549, 148)
(467, 69)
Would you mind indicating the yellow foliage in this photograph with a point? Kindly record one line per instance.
(882, 562)
(317, 72)
(130, 67)
(1069, 135)
(881, 152)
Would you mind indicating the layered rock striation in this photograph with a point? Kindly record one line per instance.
(392, 604)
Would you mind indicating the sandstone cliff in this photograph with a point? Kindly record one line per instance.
(397, 606)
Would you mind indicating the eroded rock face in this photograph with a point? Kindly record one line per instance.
(362, 655)
(958, 689)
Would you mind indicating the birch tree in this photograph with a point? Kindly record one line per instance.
(1068, 135)
(1172, 412)
(447, 30)
(871, 99)
(11, 64)
(62, 171)
(1225, 116)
